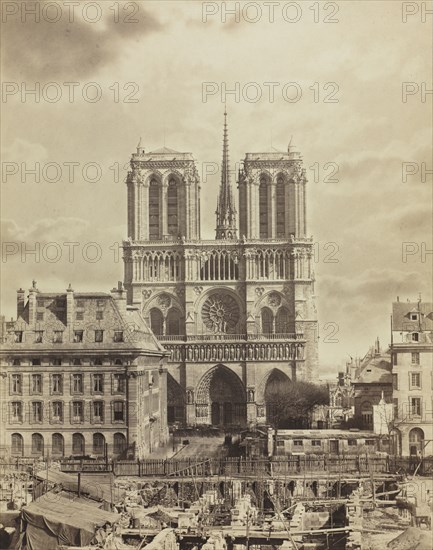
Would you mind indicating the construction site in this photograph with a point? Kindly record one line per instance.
(200, 496)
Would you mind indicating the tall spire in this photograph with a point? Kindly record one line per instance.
(226, 211)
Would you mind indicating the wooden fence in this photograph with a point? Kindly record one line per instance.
(231, 466)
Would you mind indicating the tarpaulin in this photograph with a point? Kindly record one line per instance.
(58, 518)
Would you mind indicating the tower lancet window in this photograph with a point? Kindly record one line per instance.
(280, 208)
(172, 208)
(154, 210)
(263, 208)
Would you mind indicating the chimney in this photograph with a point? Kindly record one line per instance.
(119, 295)
(32, 303)
(69, 306)
(21, 296)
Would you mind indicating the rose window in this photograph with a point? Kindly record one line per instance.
(220, 313)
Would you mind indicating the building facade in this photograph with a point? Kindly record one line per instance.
(81, 374)
(237, 312)
(372, 384)
(412, 362)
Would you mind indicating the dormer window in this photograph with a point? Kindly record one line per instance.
(18, 336)
(414, 317)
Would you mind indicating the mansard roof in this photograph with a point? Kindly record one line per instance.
(68, 312)
(401, 320)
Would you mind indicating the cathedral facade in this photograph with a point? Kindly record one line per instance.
(237, 312)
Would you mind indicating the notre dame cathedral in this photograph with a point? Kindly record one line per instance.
(237, 312)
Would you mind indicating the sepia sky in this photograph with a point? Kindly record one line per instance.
(337, 91)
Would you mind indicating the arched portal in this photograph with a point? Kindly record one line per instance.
(78, 444)
(416, 441)
(222, 394)
(276, 385)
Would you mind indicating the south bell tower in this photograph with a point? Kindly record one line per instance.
(237, 312)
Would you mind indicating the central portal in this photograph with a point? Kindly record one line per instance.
(222, 393)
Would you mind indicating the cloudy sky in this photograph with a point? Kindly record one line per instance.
(112, 72)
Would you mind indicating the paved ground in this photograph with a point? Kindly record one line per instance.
(202, 447)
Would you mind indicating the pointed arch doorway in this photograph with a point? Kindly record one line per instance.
(222, 394)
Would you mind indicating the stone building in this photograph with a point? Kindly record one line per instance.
(81, 374)
(412, 361)
(237, 312)
(372, 382)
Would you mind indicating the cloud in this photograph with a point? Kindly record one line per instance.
(48, 51)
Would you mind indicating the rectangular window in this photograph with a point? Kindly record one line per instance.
(98, 411)
(80, 303)
(415, 380)
(415, 337)
(78, 336)
(415, 358)
(77, 411)
(352, 442)
(370, 442)
(395, 381)
(36, 411)
(40, 316)
(118, 383)
(18, 337)
(16, 383)
(77, 383)
(298, 443)
(36, 362)
(98, 383)
(415, 406)
(39, 335)
(100, 303)
(118, 335)
(58, 336)
(118, 411)
(36, 383)
(57, 383)
(79, 316)
(99, 315)
(99, 336)
(17, 411)
(280, 442)
(316, 443)
(414, 316)
(56, 362)
(58, 411)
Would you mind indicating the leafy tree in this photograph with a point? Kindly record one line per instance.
(291, 405)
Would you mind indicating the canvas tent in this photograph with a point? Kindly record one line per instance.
(61, 519)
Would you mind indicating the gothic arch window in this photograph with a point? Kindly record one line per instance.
(172, 322)
(263, 208)
(57, 444)
(267, 321)
(172, 208)
(156, 321)
(220, 266)
(281, 208)
(17, 444)
(282, 321)
(154, 209)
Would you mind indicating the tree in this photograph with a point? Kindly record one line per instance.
(291, 406)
